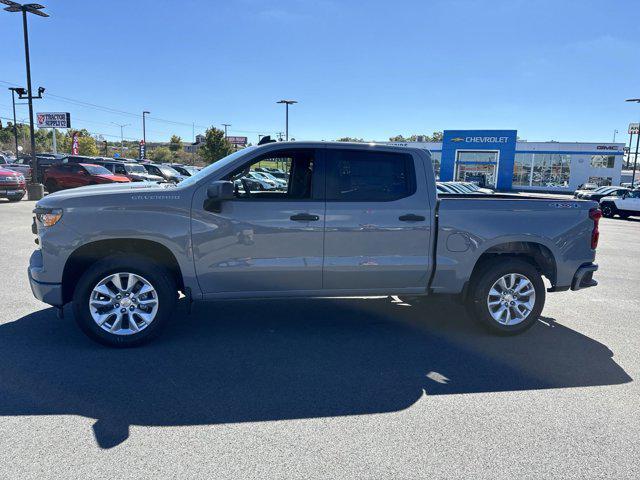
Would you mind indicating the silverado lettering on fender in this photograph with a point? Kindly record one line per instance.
(350, 220)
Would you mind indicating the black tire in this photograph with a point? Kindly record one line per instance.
(484, 280)
(51, 185)
(608, 210)
(158, 277)
(15, 198)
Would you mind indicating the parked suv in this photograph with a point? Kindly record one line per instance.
(164, 171)
(12, 185)
(72, 175)
(627, 205)
(133, 171)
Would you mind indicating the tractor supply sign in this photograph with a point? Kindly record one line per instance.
(238, 141)
(54, 120)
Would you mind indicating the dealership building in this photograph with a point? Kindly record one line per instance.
(498, 160)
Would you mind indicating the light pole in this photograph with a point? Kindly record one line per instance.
(20, 91)
(121, 135)
(225, 125)
(35, 191)
(144, 131)
(286, 128)
(635, 159)
(614, 135)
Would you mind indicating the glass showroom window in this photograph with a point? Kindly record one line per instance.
(551, 170)
(522, 169)
(603, 161)
(600, 181)
(435, 160)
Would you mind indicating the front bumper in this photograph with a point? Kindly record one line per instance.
(46, 292)
(583, 277)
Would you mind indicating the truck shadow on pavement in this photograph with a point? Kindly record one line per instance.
(248, 361)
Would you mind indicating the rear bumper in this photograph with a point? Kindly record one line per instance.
(583, 277)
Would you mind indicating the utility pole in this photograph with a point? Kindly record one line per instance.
(144, 132)
(20, 91)
(286, 104)
(121, 135)
(614, 135)
(279, 135)
(35, 190)
(635, 160)
(225, 125)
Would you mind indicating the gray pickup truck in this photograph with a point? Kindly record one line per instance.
(354, 220)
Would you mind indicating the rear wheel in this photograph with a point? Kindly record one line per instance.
(15, 198)
(608, 210)
(124, 301)
(507, 296)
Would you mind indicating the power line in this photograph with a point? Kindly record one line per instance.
(116, 111)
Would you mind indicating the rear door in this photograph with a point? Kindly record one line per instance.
(378, 221)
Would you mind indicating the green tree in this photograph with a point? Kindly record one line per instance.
(87, 146)
(162, 155)
(350, 139)
(175, 144)
(215, 146)
(435, 137)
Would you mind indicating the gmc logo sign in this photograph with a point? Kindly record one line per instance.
(606, 147)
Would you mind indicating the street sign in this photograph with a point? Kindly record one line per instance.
(142, 150)
(634, 128)
(54, 120)
(237, 140)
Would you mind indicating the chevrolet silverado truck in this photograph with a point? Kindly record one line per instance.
(354, 220)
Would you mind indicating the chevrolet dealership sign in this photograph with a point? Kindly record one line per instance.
(480, 139)
(54, 120)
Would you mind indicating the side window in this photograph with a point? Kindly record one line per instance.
(119, 169)
(282, 175)
(361, 176)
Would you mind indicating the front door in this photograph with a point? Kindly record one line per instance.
(477, 166)
(378, 222)
(265, 240)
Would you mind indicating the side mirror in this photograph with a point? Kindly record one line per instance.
(220, 190)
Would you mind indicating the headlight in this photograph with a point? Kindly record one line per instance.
(48, 216)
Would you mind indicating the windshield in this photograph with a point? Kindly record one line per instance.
(208, 170)
(96, 170)
(135, 169)
(168, 170)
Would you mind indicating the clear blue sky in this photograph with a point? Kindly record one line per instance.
(550, 69)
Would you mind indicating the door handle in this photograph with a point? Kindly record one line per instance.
(410, 217)
(304, 217)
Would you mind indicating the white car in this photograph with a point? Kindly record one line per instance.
(628, 205)
(264, 183)
(282, 184)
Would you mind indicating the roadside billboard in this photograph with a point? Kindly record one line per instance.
(54, 119)
(237, 141)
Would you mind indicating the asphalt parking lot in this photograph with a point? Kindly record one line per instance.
(369, 388)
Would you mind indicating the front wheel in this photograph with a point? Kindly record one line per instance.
(15, 198)
(507, 296)
(124, 301)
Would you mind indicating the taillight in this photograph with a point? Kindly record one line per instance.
(595, 214)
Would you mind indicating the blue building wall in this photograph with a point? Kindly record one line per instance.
(503, 141)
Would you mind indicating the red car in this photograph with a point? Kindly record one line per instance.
(72, 175)
(12, 185)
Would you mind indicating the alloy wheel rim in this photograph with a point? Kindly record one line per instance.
(511, 299)
(123, 303)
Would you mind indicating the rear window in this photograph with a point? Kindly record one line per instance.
(96, 170)
(360, 176)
